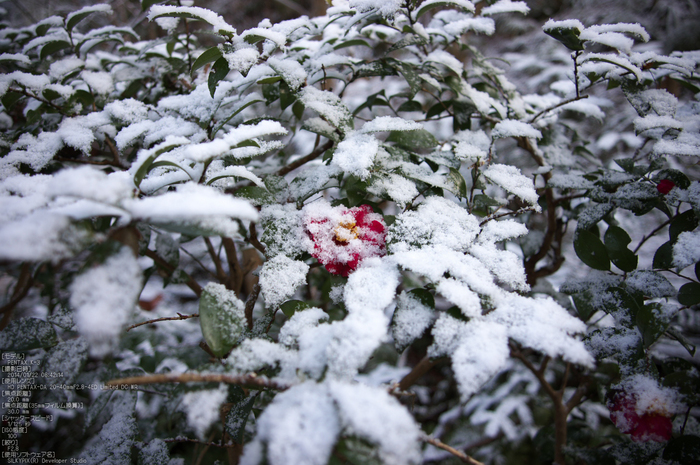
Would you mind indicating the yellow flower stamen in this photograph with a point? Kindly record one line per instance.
(346, 231)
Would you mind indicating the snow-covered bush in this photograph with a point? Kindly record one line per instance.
(352, 219)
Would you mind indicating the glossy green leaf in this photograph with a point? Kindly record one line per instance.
(218, 72)
(290, 307)
(237, 418)
(410, 105)
(651, 323)
(221, 317)
(351, 43)
(208, 56)
(413, 140)
(584, 308)
(236, 111)
(686, 221)
(52, 47)
(423, 9)
(689, 294)
(567, 36)
(663, 258)
(257, 195)
(616, 241)
(457, 180)
(591, 250)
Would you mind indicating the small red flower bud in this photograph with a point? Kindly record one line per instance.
(665, 185)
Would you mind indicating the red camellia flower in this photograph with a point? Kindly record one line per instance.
(665, 185)
(341, 238)
(652, 424)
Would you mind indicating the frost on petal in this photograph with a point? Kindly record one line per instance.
(372, 414)
(280, 277)
(509, 178)
(436, 222)
(355, 155)
(104, 298)
(203, 409)
(301, 425)
(686, 250)
(543, 325)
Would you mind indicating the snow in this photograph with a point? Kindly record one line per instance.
(386, 8)
(446, 59)
(279, 278)
(90, 183)
(299, 323)
(355, 155)
(216, 21)
(411, 319)
(479, 24)
(513, 128)
(686, 250)
(390, 123)
(509, 178)
(243, 59)
(127, 110)
(565, 24)
(328, 105)
(38, 237)
(104, 299)
(202, 409)
(506, 6)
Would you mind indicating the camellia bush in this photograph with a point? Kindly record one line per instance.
(352, 239)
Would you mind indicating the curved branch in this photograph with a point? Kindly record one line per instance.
(179, 317)
(251, 380)
(457, 453)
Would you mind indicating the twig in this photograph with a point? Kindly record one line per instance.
(250, 305)
(254, 238)
(191, 283)
(303, 160)
(198, 262)
(220, 273)
(250, 380)
(650, 235)
(457, 453)
(512, 212)
(560, 104)
(115, 152)
(419, 370)
(179, 317)
(235, 274)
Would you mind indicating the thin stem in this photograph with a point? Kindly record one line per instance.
(250, 380)
(179, 317)
(235, 274)
(419, 370)
(560, 104)
(191, 283)
(254, 238)
(220, 273)
(651, 234)
(198, 262)
(457, 453)
(303, 160)
(250, 305)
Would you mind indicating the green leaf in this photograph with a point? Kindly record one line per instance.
(270, 91)
(10, 99)
(237, 418)
(438, 108)
(689, 294)
(236, 111)
(74, 18)
(218, 72)
(209, 55)
(678, 177)
(591, 250)
(413, 140)
(409, 73)
(145, 167)
(412, 39)
(451, 3)
(168, 249)
(290, 307)
(351, 43)
(663, 258)
(257, 195)
(650, 324)
(682, 340)
(287, 97)
(616, 240)
(683, 450)
(52, 47)
(26, 334)
(221, 318)
(410, 105)
(686, 221)
(584, 308)
(567, 36)
(462, 112)
(460, 185)
(50, 94)
(626, 164)
(298, 110)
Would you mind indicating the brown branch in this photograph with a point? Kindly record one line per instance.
(220, 273)
(24, 283)
(179, 317)
(235, 273)
(457, 453)
(115, 153)
(250, 305)
(419, 370)
(254, 238)
(561, 412)
(510, 213)
(250, 380)
(191, 283)
(303, 160)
